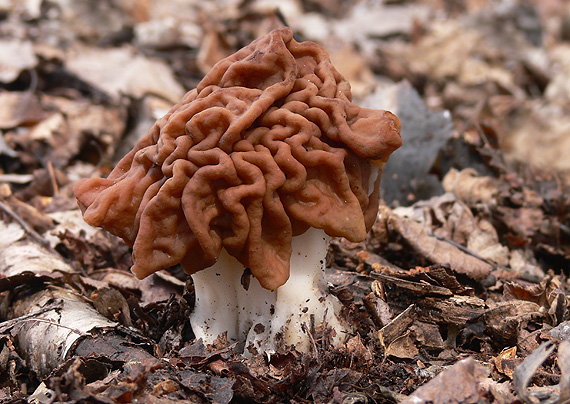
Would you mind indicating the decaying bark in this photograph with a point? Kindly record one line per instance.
(51, 322)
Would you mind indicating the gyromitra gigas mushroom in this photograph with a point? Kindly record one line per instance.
(254, 169)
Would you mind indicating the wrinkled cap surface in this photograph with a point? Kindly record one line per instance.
(268, 144)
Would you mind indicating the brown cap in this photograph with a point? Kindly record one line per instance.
(267, 145)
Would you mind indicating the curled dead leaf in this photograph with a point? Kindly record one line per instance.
(439, 251)
(471, 188)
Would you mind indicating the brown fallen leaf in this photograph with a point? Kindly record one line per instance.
(452, 220)
(403, 347)
(19, 108)
(214, 389)
(83, 126)
(470, 187)
(526, 370)
(213, 48)
(506, 362)
(112, 304)
(122, 71)
(504, 320)
(456, 384)
(502, 392)
(523, 222)
(549, 152)
(438, 251)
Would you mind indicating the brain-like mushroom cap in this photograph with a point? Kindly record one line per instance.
(268, 144)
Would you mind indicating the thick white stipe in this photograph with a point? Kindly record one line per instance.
(266, 320)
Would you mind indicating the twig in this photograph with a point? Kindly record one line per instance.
(43, 320)
(315, 350)
(51, 172)
(16, 178)
(6, 325)
(463, 248)
(31, 232)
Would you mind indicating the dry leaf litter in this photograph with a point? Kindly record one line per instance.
(460, 292)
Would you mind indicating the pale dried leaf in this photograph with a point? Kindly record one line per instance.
(471, 188)
(558, 89)
(167, 32)
(485, 242)
(120, 71)
(549, 151)
(526, 370)
(524, 265)
(17, 255)
(18, 108)
(71, 220)
(431, 55)
(457, 384)
(564, 365)
(17, 55)
(438, 251)
(376, 20)
(87, 19)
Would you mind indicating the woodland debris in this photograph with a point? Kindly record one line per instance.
(117, 72)
(19, 108)
(439, 251)
(457, 310)
(52, 322)
(486, 96)
(505, 320)
(526, 370)
(377, 306)
(417, 288)
(395, 328)
(53, 332)
(456, 384)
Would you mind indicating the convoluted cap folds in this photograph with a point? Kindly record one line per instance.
(268, 144)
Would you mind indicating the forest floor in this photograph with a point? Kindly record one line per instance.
(459, 294)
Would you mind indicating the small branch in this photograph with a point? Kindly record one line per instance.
(310, 334)
(8, 324)
(43, 320)
(463, 248)
(53, 180)
(31, 232)
(16, 178)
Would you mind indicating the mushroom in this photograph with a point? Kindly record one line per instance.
(250, 175)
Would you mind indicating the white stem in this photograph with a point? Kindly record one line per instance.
(374, 174)
(222, 303)
(268, 320)
(304, 301)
